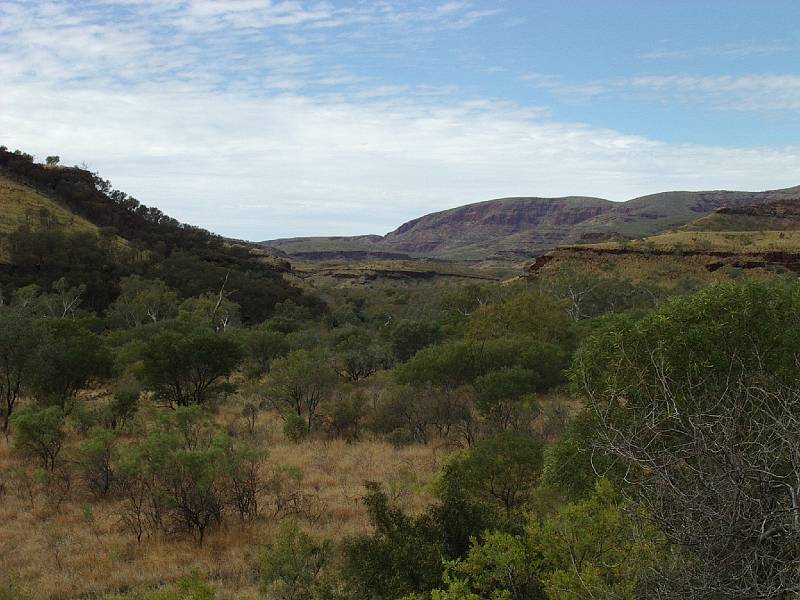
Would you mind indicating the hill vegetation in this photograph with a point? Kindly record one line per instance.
(182, 423)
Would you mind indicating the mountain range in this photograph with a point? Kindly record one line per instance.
(524, 227)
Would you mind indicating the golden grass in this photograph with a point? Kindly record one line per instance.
(20, 205)
(667, 271)
(81, 549)
(721, 241)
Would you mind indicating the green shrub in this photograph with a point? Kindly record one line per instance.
(292, 564)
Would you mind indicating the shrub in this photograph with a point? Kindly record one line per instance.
(94, 457)
(292, 564)
(295, 427)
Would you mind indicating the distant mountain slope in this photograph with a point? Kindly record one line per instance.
(520, 228)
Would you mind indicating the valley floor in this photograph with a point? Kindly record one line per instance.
(82, 550)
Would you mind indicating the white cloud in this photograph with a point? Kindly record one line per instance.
(251, 136)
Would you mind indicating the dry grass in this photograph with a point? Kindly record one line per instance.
(670, 271)
(81, 549)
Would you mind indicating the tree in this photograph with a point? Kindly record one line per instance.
(299, 383)
(699, 402)
(499, 565)
(20, 341)
(529, 313)
(404, 553)
(355, 354)
(52, 161)
(70, 359)
(600, 547)
(183, 368)
(143, 301)
(262, 347)
(64, 300)
(215, 310)
(39, 433)
(408, 337)
(502, 469)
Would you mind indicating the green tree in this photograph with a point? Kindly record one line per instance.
(214, 310)
(95, 458)
(408, 337)
(596, 548)
(183, 368)
(698, 400)
(262, 346)
(498, 566)
(299, 383)
(70, 360)
(502, 469)
(20, 342)
(143, 301)
(529, 313)
(39, 432)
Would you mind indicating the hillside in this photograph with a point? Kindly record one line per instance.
(66, 222)
(756, 240)
(21, 205)
(517, 229)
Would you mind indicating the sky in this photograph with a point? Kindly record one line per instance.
(262, 119)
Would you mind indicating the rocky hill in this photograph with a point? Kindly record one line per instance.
(522, 228)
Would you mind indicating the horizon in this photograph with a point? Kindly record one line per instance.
(260, 120)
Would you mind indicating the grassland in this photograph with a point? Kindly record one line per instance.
(82, 550)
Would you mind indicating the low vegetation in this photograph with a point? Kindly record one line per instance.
(577, 435)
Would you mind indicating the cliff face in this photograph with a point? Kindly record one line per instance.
(491, 221)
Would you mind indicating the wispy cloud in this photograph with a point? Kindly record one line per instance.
(247, 117)
(668, 52)
(754, 92)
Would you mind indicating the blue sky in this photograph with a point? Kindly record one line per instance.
(261, 119)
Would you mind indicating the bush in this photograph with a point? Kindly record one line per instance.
(94, 457)
(295, 427)
(292, 564)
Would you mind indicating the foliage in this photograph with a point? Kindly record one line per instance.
(292, 564)
(404, 555)
(596, 548)
(502, 469)
(39, 432)
(299, 383)
(698, 400)
(141, 301)
(528, 313)
(408, 337)
(20, 344)
(69, 361)
(182, 369)
(262, 347)
(95, 458)
(183, 477)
